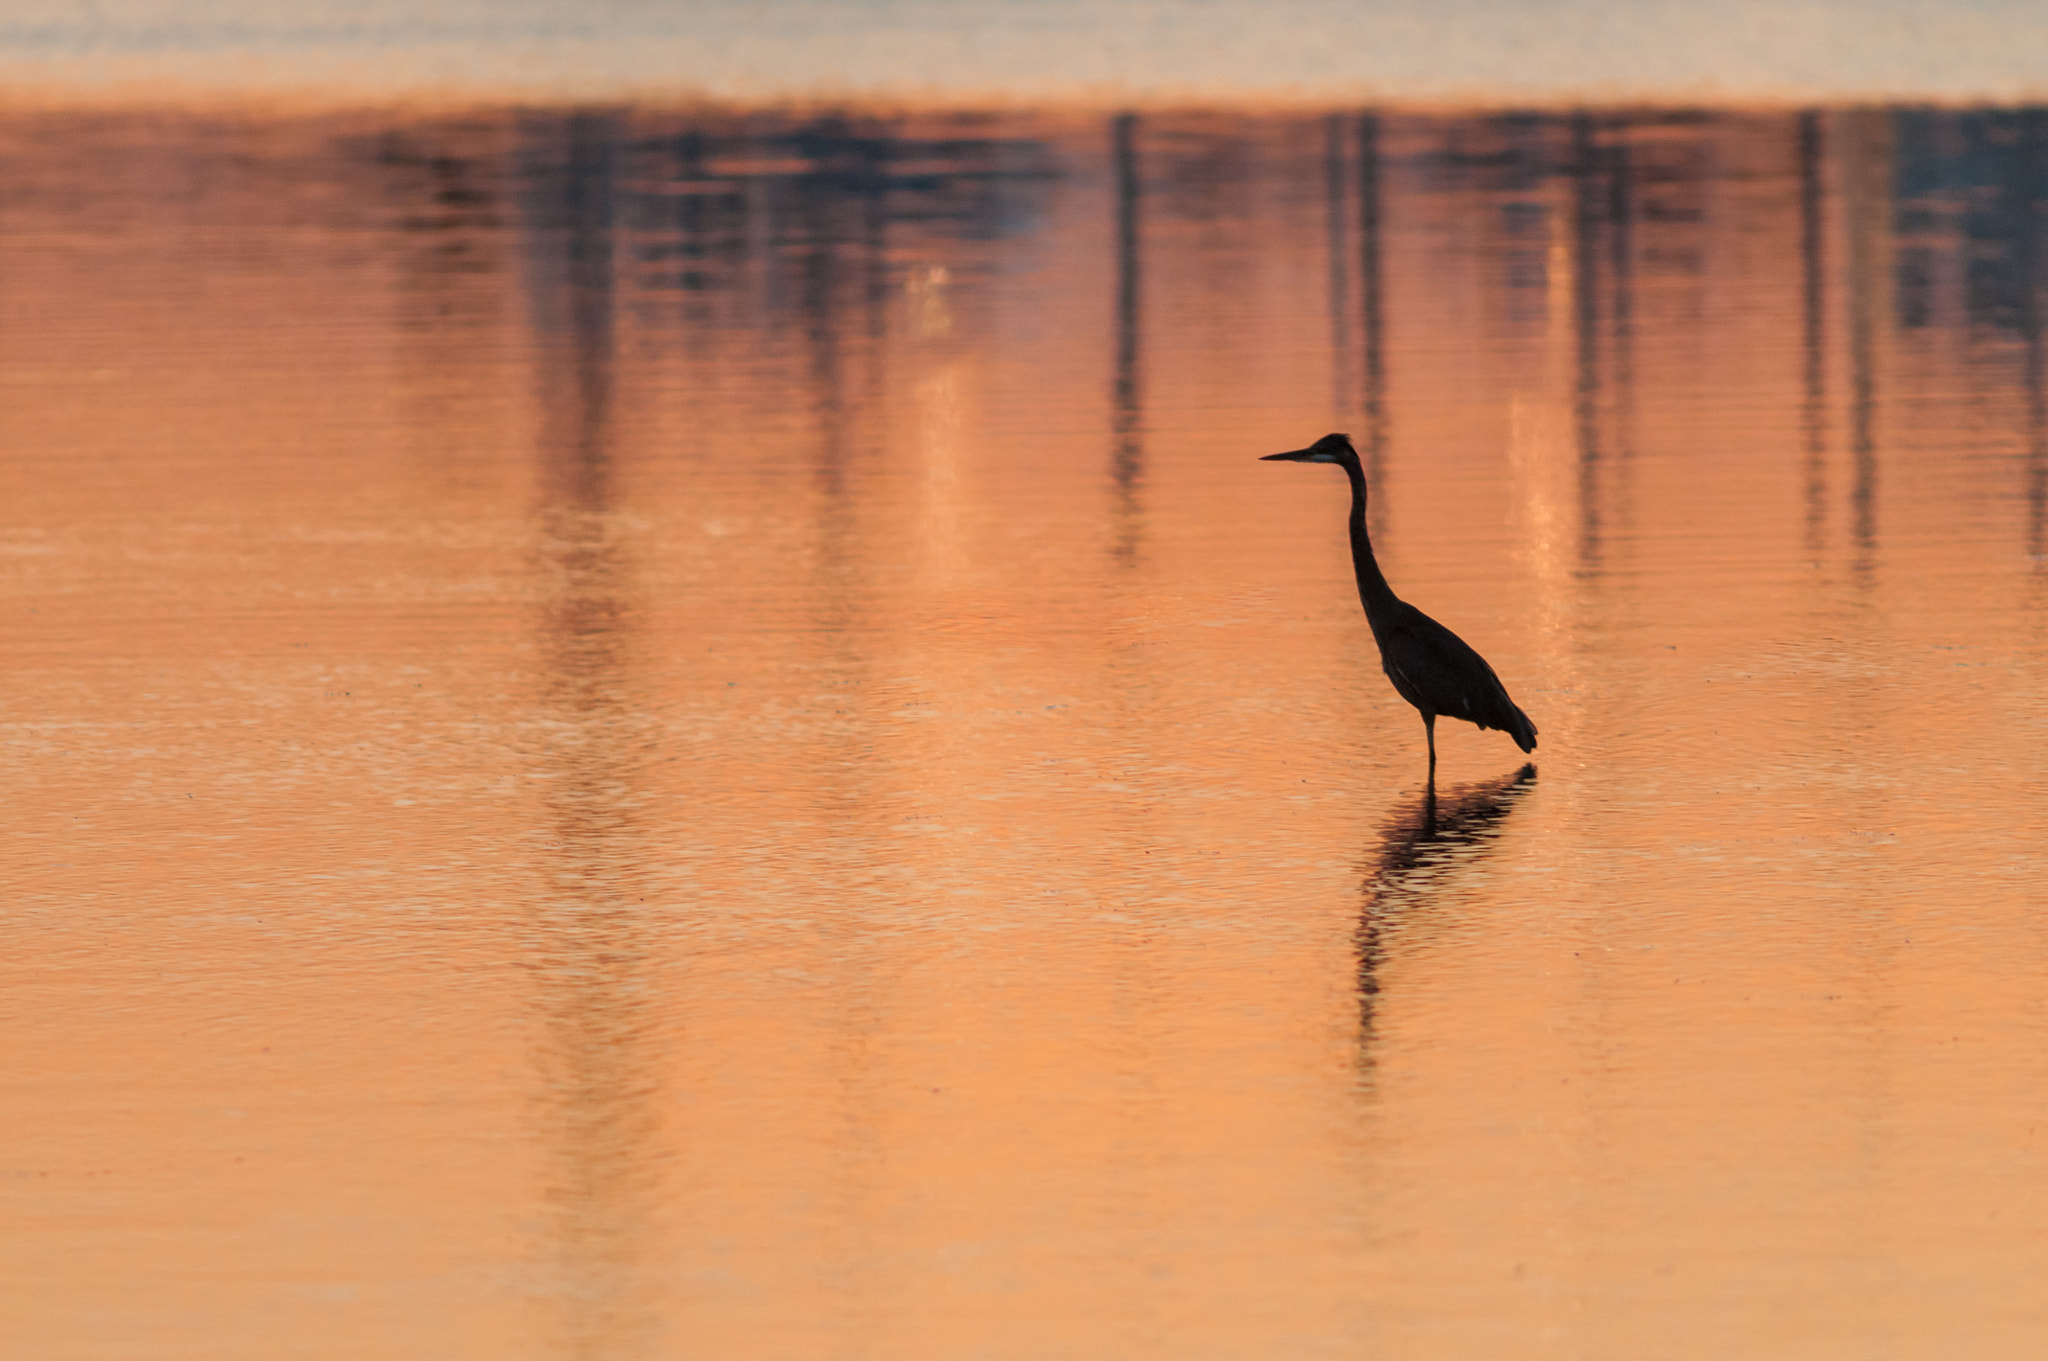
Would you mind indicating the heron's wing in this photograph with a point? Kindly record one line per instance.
(1439, 673)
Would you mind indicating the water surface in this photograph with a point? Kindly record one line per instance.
(638, 735)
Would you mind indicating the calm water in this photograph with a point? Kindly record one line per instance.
(633, 735)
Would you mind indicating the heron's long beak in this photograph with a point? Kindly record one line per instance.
(1291, 456)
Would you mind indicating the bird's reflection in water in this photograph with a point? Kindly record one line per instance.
(1425, 839)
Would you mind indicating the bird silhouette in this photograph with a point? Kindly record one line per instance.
(1431, 667)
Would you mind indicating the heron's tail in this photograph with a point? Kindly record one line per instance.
(1523, 731)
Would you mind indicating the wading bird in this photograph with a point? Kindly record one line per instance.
(1431, 667)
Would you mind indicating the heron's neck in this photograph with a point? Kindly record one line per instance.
(1373, 591)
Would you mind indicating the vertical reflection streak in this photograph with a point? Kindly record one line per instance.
(817, 291)
(1372, 303)
(842, 294)
(1339, 282)
(1586, 332)
(1813, 273)
(583, 474)
(2033, 257)
(1621, 186)
(1127, 461)
(1869, 211)
(589, 972)
(445, 194)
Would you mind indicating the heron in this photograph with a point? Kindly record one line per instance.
(1430, 666)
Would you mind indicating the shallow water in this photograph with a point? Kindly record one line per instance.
(641, 735)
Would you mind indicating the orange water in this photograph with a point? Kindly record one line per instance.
(637, 735)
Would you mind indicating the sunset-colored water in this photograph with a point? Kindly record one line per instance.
(636, 734)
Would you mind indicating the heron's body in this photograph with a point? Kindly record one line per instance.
(1431, 667)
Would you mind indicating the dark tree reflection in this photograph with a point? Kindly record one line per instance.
(589, 947)
(1127, 461)
(1814, 338)
(1372, 295)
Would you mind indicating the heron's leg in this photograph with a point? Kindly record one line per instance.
(1429, 727)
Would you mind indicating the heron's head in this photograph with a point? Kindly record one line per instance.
(1329, 449)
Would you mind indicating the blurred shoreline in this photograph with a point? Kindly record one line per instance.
(1007, 54)
(327, 101)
